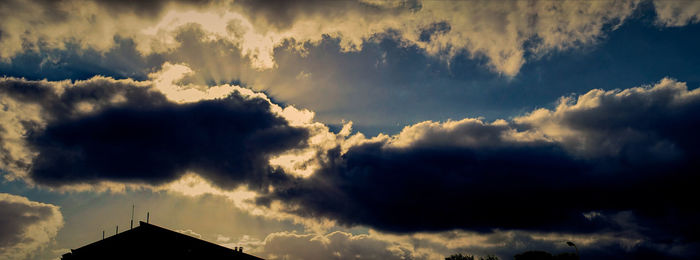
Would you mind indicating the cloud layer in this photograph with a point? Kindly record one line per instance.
(26, 225)
(567, 169)
(285, 245)
(504, 244)
(504, 34)
(572, 168)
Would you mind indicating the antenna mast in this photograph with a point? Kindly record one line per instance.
(132, 216)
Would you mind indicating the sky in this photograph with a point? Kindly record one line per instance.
(353, 129)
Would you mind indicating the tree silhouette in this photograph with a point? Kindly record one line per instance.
(490, 257)
(470, 257)
(460, 257)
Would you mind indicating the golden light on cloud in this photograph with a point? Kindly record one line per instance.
(166, 81)
(193, 185)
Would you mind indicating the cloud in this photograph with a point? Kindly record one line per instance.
(435, 245)
(505, 34)
(640, 125)
(222, 239)
(26, 225)
(228, 141)
(506, 244)
(604, 151)
(191, 233)
(677, 13)
(334, 245)
(496, 31)
(127, 131)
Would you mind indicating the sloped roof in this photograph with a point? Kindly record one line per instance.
(149, 241)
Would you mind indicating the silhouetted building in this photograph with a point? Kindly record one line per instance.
(152, 242)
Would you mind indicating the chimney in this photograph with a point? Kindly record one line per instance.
(148, 216)
(240, 249)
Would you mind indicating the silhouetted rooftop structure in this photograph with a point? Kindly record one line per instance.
(149, 241)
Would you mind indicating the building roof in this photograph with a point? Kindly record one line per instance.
(149, 241)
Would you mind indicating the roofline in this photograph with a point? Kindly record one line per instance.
(149, 225)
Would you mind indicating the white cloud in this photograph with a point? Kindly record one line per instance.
(334, 245)
(15, 156)
(222, 239)
(422, 245)
(494, 30)
(497, 31)
(501, 32)
(603, 123)
(29, 25)
(27, 226)
(166, 81)
(189, 232)
(677, 13)
(244, 199)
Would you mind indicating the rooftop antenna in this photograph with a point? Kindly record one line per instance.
(132, 217)
(103, 234)
(148, 216)
(117, 230)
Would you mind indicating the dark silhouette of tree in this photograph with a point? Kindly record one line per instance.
(470, 257)
(566, 256)
(460, 257)
(534, 255)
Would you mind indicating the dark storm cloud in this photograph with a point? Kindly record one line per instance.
(60, 103)
(631, 150)
(227, 141)
(643, 251)
(440, 188)
(145, 138)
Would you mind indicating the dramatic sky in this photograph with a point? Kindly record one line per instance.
(353, 129)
